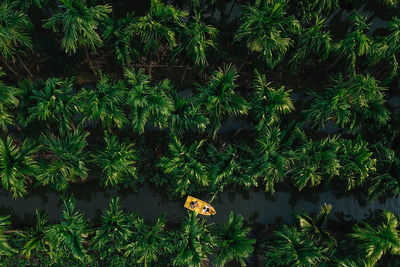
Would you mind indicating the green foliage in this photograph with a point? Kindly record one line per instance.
(315, 227)
(14, 28)
(183, 166)
(8, 100)
(148, 104)
(267, 103)
(194, 242)
(357, 43)
(66, 159)
(5, 248)
(120, 33)
(356, 161)
(68, 236)
(314, 160)
(312, 8)
(266, 29)
(291, 247)
(104, 103)
(185, 116)
(117, 161)
(197, 37)
(78, 23)
(52, 102)
(148, 241)
(271, 161)
(17, 165)
(312, 42)
(380, 239)
(350, 102)
(159, 26)
(36, 237)
(232, 242)
(219, 98)
(115, 230)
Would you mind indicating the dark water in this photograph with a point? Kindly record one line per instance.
(256, 207)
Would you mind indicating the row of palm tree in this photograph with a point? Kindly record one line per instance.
(126, 236)
(265, 27)
(310, 243)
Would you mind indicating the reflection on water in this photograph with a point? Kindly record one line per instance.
(256, 207)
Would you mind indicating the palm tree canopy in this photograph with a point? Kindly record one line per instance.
(8, 99)
(36, 237)
(14, 27)
(148, 104)
(104, 102)
(5, 248)
(116, 161)
(17, 165)
(115, 229)
(267, 103)
(67, 159)
(381, 239)
(293, 248)
(232, 242)
(183, 165)
(78, 23)
(148, 241)
(265, 27)
(194, 242)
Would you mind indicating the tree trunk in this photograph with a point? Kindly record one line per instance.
(10, 68)
(25, 67)
(90, 61)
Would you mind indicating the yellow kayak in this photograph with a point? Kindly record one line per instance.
(199, 206)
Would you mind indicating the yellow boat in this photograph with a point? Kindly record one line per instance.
(198, 206)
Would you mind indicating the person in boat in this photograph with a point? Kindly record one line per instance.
(194, 204)
(206, 209)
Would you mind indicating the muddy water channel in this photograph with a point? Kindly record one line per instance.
(150, 202)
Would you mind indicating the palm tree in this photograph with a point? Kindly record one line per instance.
(104, 103)
(265, 28)
(194, 242)
(8, 99)
(232, 242)
(116, 161)
(219, 97)
(36, 238)
(381, 239)
(350, 102)
(148, 104)
(5, 248)
(314, 160)
(69, 235)
(115, 230)
(197, 37)
(183, 166)
(389, 48)
(271, 160)
(148, 241)
(65, 160)
(356, 161)
(79, 23)
(53, 102)
(121, 34)
(291, 247)
(14, 27)
(185, 116)
(17, 165)
(311, 8)
(267, 103)
(159, 26)
(356, 43)
(385, 181)
(312, 42)
(315, 227)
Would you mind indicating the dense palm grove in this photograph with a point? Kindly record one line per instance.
(126, 93)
